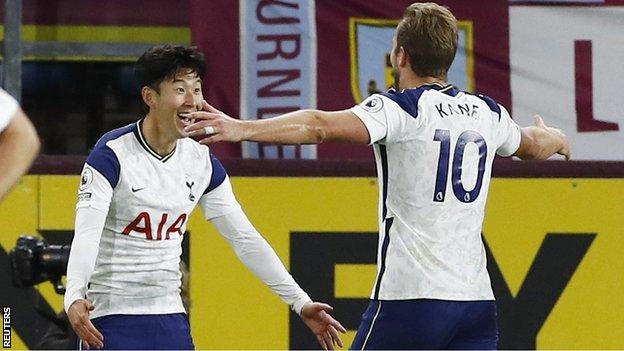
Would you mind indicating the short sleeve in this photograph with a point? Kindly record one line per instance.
(508, 134)
(95, 190)
(384, 119)
(219, 201)
(8, 109)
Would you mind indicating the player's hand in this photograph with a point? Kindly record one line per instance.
(565, 143)
(78, 315)
(212, 125)
(325, 327)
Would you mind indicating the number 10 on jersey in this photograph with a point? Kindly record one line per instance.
(468, 136)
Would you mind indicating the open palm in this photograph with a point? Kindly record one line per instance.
(316, 316)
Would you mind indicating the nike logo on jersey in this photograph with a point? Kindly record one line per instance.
(134, 190)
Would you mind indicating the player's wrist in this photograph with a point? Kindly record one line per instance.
(73, 304)
(298, 306)
(246, 130)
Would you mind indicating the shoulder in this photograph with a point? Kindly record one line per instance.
(114, 134)
(492, 104)
(409, 99)
(104, 159)
(218, 173)
(103, 147)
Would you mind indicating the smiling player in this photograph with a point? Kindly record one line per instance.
(434, 146)
(138, 188)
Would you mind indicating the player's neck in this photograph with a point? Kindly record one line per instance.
(414, 81)
(158, 137)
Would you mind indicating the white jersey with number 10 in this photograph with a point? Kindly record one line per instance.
(434, 148)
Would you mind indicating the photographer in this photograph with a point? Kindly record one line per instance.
(19, 143)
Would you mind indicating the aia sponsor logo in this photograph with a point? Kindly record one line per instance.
(141, 226)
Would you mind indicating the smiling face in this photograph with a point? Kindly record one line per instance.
(176, 96)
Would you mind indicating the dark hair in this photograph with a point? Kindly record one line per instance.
(428, 33)
(164, 61)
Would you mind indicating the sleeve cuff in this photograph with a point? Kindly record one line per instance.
(297, 306)
(376, 131)
(70, 299)
(514, 145)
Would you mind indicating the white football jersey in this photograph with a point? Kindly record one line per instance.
(434, 147)
(149, 199)
(8, 108)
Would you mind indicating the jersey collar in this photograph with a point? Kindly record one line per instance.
(448, 89)
(139, 135)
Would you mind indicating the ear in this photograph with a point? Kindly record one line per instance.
(149, 96)
(402, 59)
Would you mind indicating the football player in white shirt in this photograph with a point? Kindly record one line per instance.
(138, 188)
(434, 147)
(19, 143)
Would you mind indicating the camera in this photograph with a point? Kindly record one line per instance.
(34, 261)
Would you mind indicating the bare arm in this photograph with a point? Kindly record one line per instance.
(299, 127)
(539, 142)
(19, 145)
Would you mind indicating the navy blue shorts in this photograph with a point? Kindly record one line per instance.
(145, 332)
(428, 324)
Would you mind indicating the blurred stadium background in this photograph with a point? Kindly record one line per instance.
(554, 230)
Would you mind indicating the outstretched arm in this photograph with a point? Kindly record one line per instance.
(299, 127)
(259, 257)
(539, 142)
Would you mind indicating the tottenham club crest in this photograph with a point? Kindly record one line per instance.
(190, 186)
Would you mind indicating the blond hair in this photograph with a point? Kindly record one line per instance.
(428, 34)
